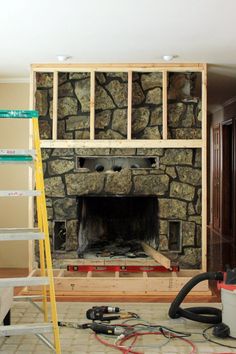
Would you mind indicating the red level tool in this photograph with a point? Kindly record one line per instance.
(118, 268)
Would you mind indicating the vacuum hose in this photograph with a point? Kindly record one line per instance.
(199, 314)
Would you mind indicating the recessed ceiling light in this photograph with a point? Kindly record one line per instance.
(169, 57)
(63, 57)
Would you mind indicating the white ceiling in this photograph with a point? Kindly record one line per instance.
(33, 31)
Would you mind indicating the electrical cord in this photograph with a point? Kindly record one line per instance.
(205, 335)
(138, 334)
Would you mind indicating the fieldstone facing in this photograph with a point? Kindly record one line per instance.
(189, 175)
(188, 231)
(151, 80)
(54, 187)
(102, 119)
(151, 184)
(41, 102)
(44, 80)
(82, 134)
(83, 183)
(77, 122)
(67, 106)
(119, 92)
(154, 96)
(182, 191)
(119, 122)
(82, 91)
(118, 182)
(103, 100)
(151, 133)
(65, 208)
(184, 122)
(65, 90)
(45, 127)
(172, 209)
(72, 235)
(58, 166)
(137, 94)
(177, 157)
(140, 118)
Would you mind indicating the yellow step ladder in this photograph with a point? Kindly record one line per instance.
(45, 281)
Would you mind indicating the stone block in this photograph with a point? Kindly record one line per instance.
(65, 208)
(177, 157)
(140, 119)
(189, 175)
(151, 80)
(41, 99)
(60, 166)
(84, 183)
(171, 172)
(118, 182)
(54, 187)
(102, 100)
(82, 91)
(151, 184)
(67, 106)
(102, 119)
(182, 191)
(137, 94)
(77, 122)
(119, 121)
(154, 96)
(188, 233)
(172, 209)
(65, 90)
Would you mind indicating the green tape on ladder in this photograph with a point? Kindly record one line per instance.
(15, 158)
(4, 113)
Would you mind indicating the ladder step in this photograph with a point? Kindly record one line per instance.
(20, 234)
(16, 155)
(20, 329)
(27, 297)
(6, 113)
(23, 281)
(19, 193)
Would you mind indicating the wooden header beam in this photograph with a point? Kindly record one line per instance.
(72, 67)
(135, 143)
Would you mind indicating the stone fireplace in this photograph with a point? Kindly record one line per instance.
(148, 194)
(165, 195)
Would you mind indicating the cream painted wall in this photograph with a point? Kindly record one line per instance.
(14, 211)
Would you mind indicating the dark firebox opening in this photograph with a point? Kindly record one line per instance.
(114, 226)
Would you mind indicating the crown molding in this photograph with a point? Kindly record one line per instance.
(14, 80)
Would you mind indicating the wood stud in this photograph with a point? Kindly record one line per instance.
(164, 104)
(55, 105)
(92, 105)
(129, 109)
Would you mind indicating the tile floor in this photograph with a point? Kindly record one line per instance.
(83, 341)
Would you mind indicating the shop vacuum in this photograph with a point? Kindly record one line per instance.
(224, 320)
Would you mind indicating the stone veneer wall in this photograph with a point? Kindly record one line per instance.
(184, 112)
(176, 183)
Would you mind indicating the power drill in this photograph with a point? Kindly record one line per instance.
(96, 313)
(98, 328)
(107, 329)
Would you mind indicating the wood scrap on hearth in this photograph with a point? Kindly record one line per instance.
(157, 256)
